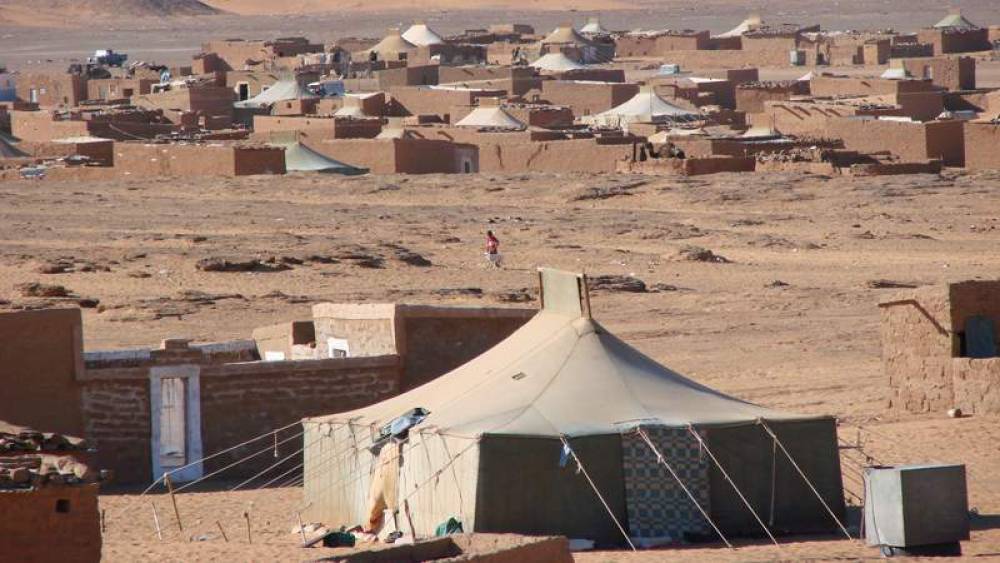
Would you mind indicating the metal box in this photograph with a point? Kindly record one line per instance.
(916, 505)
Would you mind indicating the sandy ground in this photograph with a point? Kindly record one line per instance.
(810, 346)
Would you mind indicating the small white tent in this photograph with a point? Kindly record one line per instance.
(896, 73)
(300, 158)
(421, 35)
(646, 106)
(593, 27)
(955, 19)
(556, 62)
(285, 89)
(753, 22)
(490, 117)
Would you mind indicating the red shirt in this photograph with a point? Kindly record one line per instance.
(492, 244)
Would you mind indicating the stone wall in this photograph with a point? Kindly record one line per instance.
(921, 345)
(981, 142)
(239, 400)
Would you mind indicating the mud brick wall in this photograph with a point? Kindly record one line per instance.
(240, 401)
(920, 343)
(33, 530)
(117, 423)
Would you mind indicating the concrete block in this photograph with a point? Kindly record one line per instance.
(916, 505)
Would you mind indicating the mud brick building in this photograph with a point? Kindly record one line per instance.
(939, 348)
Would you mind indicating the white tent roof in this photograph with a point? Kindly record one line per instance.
(806, 77)
(557, 62)
(956, 19)
(749, 24)
(391, 45)
(593, 26)
(761, 132)
(287, 89)
(647, 104)
(566, 34)
(562, 373)
(896, 73)
(421, 35)
(490, 117)
(300, 158)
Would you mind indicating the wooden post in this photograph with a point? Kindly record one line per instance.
(223, 531)
(173, 500)
(246, 515)
(156, 521)
(104, 526)
(409, 519)
(302, 529)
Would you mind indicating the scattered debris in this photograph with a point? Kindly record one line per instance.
(35, 289)
(616, 283)
(607, 192)
(889, 284)
(522, 295)
(698, 254)
(214, 264)
(778, 284)
(453, 291)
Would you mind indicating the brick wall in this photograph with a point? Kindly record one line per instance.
(33, 530)
(920, 343)
(981, 141)
(238, 401)
(117, 423)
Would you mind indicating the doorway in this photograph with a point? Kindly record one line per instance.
(175, 413)
(243, 91)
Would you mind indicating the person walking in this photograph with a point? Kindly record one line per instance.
(493, 249)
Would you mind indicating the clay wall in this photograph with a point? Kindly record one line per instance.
(415, 100)
(907, 140)
(41, 126)
(955, 40)
(51, 90)
(431, 340)
(141, 160)
(116, 403)
(644, 46)
(41, 357)
(256, 81)
(586, 98)
(953, 73)
(204, 100)
(838, 86)
(515, 80)
(117, 88)
(294, 340)
(33, 516)
(401, 156)
(921, 347)
(801, 118)
(418, 75)
(319, 128)
(751, 98)
(981, 142)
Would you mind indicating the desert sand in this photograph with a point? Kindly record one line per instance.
(790, 322)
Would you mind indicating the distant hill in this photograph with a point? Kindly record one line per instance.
(48, 12)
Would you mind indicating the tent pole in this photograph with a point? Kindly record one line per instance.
(565, 442)
(701, 441)
(806, 479)
(662, 460)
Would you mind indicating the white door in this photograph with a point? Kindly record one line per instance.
(175, 414)
(173, 427)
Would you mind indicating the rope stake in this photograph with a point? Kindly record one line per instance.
(806, 479)
(582, 469)
(704, 445)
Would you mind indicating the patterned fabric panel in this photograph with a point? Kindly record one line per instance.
(657, 506)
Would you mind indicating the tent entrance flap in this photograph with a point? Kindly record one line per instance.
(564, 292)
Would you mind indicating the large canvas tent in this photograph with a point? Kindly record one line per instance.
(646, 106)
(300, 158)
(490, 117)
(392, 47)
(282, 90)
(955, 20)
(421, 35)
(556, 62)
(501, 436)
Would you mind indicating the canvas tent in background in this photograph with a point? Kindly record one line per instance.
(282, 90)
(493, 116)
(391, 48)
(593, 27)
(556, 62)
(752, 23)
(421, 35)
(956, 20)
(645, 107)
(496, 443)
